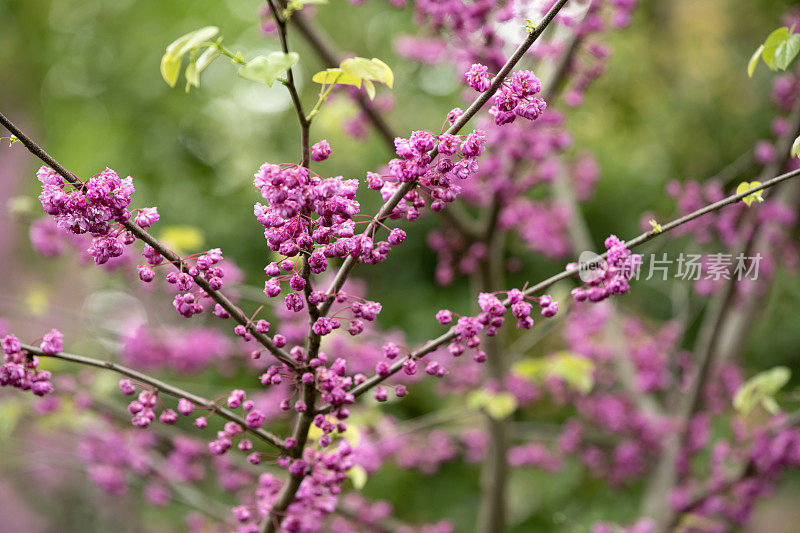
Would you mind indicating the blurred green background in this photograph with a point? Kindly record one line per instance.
(82, 77)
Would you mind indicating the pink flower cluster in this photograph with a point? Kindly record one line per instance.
(609, 277)
(19, 369)
(491, 319)
(436, 163)
(514, 98)
(91, 208)
(323, 474)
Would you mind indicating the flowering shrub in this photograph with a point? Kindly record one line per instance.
(634, 403)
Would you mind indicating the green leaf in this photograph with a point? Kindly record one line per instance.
(370, 88)
(787, 51)
(796, 148)
(196, 67)
(750, 198)
(192, 76)
(775, 40)
(267, 69)
(171, 60)
(655, 225)
(761, 390)
(297, 5)
(501, 405)
(170, 68)
(498, 405)
(369, 69)
(358, 476)
(576, 370)
(184, 43)
(335, 75)
(477, 399)
(751, 65)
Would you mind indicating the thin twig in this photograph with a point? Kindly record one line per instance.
(160, 247)
(433, 344)
(471, 111)
(308, 392)
(159, 386)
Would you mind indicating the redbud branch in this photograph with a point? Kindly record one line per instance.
(492, 514)
(581, 239)
(292, 485)
(707, 351)
(734, 321)
(647, 236)
(749, 469)
(308, 394)
(160, 247)
(298, 106)
(160, 386)
(444, 338)
(471, 111)
(331, 58)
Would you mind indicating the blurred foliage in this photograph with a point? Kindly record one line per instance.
(83, 77)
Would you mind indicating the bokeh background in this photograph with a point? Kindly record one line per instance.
(82, 77)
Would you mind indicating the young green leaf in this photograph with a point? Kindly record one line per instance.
(196, 67)
(498, 405)
(297, 5)
(335, 75)
(358, 476)
(170, 68)
(183, 44)
(369, 69)
(370, 88)
(267, 69)
(775, 40)
(750, 198)
(796, 148)
(171, 60)
(655, 225)
(787, 51)
(751, 65)
(761, 390)
(574, 369)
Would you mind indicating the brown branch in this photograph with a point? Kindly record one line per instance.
(714, 331)
(331, 58)
(159, 386)
(160, 247)
(492, 514)
(433, 344)
(308, 392)
(349, 263)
